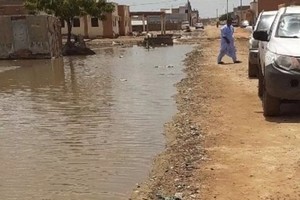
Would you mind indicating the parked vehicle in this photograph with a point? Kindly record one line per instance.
(263, 23)
(280, 69)
(199, 26)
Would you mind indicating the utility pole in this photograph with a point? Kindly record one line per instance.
(227, 10)
(217, 12)
(241, 10)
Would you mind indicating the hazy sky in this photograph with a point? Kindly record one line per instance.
(207, 8)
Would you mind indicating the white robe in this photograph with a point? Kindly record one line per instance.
(227, 49)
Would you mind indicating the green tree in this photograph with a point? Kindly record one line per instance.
(69, 9)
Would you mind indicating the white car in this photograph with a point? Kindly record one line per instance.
(263, 23)
(280, 68)
(199, 26)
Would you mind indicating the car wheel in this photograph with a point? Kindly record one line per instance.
(271, 105)
(260, 84)
(252, 70)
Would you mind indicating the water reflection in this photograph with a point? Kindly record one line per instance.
(75, 129)
(23, 74)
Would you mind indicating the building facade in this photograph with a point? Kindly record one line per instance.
(125, 20)
(242, 13)
(29, 36)
(111, 24)
(92, 27)
(116, 23)
(24, 36)
(87, 26)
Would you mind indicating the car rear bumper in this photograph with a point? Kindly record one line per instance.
(282, 84)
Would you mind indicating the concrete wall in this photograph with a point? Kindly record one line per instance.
(125, 20)
(75, 30)
(169, 27)
(111, 24)
(170, 18)
(105, 28)
(85, 28)
(94, 32)
(28, 37)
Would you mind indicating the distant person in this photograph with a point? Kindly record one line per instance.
(218, 23)
(227, 43)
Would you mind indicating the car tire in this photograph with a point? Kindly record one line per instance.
(271, 105)
(260, 84)
(252, 70)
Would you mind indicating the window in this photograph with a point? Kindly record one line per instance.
(289, 26)
(95, 22)
(265, 22)
(76, 22)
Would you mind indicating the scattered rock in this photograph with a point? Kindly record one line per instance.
(123, 80)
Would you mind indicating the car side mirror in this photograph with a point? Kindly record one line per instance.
(261, 36)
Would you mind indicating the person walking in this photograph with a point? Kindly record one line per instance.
(227, 43)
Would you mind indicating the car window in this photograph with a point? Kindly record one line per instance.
(289, 26)
(265, 22)
(270, 31)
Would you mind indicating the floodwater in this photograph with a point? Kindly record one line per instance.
(85, 127)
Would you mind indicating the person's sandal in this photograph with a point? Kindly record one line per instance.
(237, 61)
(221, 63)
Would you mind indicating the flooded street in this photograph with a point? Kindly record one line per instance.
(85, 127)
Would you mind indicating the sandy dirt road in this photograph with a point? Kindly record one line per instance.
(250, 156)
(239, 153)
